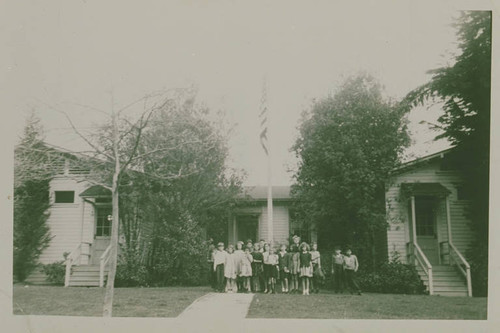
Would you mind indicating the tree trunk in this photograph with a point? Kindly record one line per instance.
(110, 286)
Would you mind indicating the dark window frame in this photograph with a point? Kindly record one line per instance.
(64, 197)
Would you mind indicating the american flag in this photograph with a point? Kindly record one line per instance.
(263, 120)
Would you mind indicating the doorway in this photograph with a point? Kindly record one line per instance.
(426, 227)
(102, 233)
(247, 227)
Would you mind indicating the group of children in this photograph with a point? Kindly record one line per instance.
(258, 268)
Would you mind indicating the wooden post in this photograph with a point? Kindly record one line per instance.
(413, 220)
(448, 220)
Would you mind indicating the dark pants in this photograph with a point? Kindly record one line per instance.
(338, 272)
(351, 280)
(219, 273)
(211, 275)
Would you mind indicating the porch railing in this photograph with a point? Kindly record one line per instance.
(462, 265)
(103, 262)
(72, 259)
(415, 254)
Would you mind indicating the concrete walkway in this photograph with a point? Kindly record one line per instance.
(215, 307)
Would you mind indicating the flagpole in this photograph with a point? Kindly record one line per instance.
(269, 200)
(265, 142)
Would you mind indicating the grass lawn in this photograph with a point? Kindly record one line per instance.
(128, 302)
(327, 305)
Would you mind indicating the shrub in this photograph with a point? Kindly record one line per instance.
(55, 272)
(392, 277)
(130, 272)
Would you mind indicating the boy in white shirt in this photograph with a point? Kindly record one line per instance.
(351, 266)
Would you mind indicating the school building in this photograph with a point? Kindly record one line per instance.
(428, 224)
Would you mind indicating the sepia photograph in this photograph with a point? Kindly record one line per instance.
(196, 165)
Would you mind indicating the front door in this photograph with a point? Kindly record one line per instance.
(247, 227)
(102, 233)
(425, 214)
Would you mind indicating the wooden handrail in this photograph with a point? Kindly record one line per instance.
(72, 257)
(466, 273)
(426, 266)
(103, 261)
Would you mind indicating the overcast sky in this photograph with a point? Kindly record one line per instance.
(65, 53)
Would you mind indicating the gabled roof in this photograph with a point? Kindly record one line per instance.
(420, 160)
(259, 193)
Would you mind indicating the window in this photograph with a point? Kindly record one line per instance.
(103, 222)
(65, 196)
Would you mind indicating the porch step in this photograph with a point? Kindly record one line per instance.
(86, 276)
(447, 281)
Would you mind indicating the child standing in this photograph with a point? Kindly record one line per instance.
(273, 270)
(219, 261)
(350, 268)
(294, 269)
(267, 268)
(305, 267)
(230, 270)
(238, 257)
(246, 269)
(316, 264)
(284, 264)
(257, 267)
(337, 270)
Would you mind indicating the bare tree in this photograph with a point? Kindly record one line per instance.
(112, 153)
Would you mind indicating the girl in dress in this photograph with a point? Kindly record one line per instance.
(305, 267)
(246, 269)
(294, 269)
(273, 270)
(238, 257)
(230, 270)
(267, 268)
(317, 273)
(284, 264)
(257, 267)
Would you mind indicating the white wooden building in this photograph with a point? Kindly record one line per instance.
(250, 220)
(428, 224)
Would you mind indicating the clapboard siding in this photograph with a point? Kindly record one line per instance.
(280, 224)
(398, 233)
(67, 220)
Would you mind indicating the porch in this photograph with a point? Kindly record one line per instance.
(441, 266)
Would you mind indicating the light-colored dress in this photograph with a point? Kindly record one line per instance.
(230, 266)
(238, 257)
(246, 265)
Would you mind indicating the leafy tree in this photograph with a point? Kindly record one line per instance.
(348, 143)
(465, 90)
(183, 193)
(31, 198)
